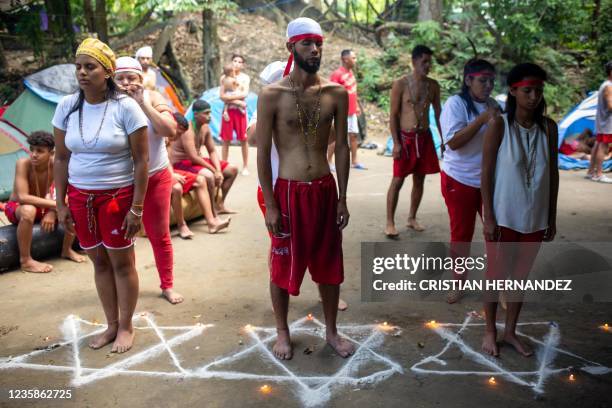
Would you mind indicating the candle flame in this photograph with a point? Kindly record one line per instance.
(572, 377)
(492, 381)
(432, 324)
(309, 317)
(265, 389)
(248, 328)
(605, 326)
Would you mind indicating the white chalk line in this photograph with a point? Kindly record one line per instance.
(549, 349)
(312, 389)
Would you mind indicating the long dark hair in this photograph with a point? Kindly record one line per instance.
(112, 92)
(518, 73)
(471, 67)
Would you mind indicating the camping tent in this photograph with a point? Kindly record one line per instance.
(580, 117)
(31, 111)
(212, 97)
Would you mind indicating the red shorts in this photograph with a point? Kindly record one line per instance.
(310, 237)
(512, 254)
(237, 122)
(190, 179)
(604, 138)
(261, 201)
(418, 155)
(10, 209)
(187, 165)
(94, 222)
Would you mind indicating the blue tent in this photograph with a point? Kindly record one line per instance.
(434, 132)
(580, 117)
(212, 97)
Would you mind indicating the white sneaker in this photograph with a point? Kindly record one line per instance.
(245, 172)
(588, 176)
(602, 179)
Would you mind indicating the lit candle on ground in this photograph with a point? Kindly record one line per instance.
(432, 324)
(492, 381)
(265, 389)
(572, 377)
(248, 328)
(606, 327)
(309, 317)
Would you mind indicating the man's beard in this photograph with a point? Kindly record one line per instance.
(311, 68)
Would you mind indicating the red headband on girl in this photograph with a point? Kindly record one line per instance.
(528, 83)
(482, 73)
(295, 39)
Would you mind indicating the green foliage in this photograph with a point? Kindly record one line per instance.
(553, 33)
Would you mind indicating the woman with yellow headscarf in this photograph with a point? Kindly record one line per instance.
(101, 166)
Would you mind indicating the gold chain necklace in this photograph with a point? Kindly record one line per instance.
(309, 131)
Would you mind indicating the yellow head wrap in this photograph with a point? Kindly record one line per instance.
(99, 51)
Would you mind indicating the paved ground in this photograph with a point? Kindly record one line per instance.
(224, 280)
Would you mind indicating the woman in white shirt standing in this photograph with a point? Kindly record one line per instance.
(520, 183)
(464, 120)
(101, 165)
(156, 215)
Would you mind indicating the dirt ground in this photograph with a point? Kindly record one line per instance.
(225, 283)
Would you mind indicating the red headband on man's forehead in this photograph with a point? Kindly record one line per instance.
(482, 73)
(528, 83)
(295, 39)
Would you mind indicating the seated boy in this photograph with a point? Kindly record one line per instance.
(32, 201)
(185, 181)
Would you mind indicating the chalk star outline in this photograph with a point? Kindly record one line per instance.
(309, 394)
(496, 368)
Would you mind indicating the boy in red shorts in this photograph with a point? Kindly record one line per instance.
(31, 202)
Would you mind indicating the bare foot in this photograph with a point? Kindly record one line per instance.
(222, 209)
(185, 232)
(391, 232)
(104, 338)
(414, 224)
(342, 346)
(342, 305)
(514, 341)
(219, 225)
(282, 348)
(172, 296)
(73, 256)
(30, 265)
(123, 341)
(489, 343)
(453, 296)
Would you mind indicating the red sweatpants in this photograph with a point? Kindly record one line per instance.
(512, 255)
(156, 221)
(463, 203)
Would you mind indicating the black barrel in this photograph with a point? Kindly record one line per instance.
(44, 245)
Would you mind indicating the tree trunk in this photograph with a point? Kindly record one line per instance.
(594, 20)
(430, 10)
(88, 13)
(317, 4)
(3, 63)
(100, 20)
(210, 45)
(60, 27)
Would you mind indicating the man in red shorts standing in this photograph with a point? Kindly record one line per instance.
(603, 125)
(304, 214)
(413, 148)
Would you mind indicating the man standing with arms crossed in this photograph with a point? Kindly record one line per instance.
(304, 214)
(413, 148)
(345, 77)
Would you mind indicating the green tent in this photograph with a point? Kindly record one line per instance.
(31, 111)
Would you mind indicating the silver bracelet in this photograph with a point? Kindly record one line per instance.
(135, 213)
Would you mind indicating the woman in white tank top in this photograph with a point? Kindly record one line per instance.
(519, 184)
(156, 210)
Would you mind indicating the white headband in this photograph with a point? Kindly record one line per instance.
(144, 52)
(128, 64)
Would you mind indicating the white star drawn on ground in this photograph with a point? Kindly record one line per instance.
(548, 349)
(312, 390)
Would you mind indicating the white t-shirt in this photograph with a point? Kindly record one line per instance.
(158, 154)
(108, 163)
(463, 164)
